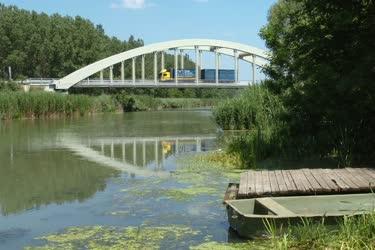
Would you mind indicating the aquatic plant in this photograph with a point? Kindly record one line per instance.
(100, 237)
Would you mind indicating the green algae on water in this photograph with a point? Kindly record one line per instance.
(229, 246)
(100, 237)
(178, 194)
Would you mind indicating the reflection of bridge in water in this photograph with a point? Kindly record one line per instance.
(142, 156)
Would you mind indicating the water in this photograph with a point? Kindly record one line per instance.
(124, 172)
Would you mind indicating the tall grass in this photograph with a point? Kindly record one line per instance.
(258, 112)
(352, 232)
(255, 108)
(42, 104)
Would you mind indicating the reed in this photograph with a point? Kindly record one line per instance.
(38, 104)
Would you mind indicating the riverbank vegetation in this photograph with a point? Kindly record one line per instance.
(52, 46)
(318, 98)
(39, 104)
(354, 232)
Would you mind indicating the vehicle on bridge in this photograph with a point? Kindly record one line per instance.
(207, 75)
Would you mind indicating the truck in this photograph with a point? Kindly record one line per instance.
(206, 75)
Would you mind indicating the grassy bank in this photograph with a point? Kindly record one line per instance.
(351, 233)
(15, 105)
(37, 104)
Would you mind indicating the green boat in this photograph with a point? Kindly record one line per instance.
(247, 216)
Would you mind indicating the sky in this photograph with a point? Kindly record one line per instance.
(164, 20)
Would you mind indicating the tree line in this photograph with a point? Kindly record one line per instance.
(52, 46)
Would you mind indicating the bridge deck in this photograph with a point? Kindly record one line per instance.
(302, 182)
(151, 84)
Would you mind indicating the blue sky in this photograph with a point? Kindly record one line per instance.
(163, 20)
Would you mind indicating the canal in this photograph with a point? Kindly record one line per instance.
(120, 180)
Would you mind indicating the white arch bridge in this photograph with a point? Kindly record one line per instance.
(81, 78)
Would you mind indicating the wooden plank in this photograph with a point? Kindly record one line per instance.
(300, 179)
(358, 176)
(324, 180)
(352, 185)
(328, 177)
(231, 192)
(266, 182)
(363, 174)
(314, 184)
(281, 182)
(340, 182)
(292, 188)
(258, 183)
(275, 207)
(370, 172)
(251, 182)
(348, 179)
(274, 186)
(242, 192)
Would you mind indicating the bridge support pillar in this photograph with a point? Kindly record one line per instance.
(253, 69)
(155, 67)
(175, 66)
(101, 77)
(122, 72)
(162, 60)
(144, 153)
(236, 66)
(112, 150)
(111, 74)
(143, 68)
(133, 70)
(156, 153)
(217, 66)
(134, 153)
(197, 73)
(199, 145)
(182, 59)
(123, 152)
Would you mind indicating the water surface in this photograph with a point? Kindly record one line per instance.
(118, 171)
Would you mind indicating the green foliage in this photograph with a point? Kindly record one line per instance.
(322, 67)
(38, 45)
(354, 232)
(255, 108)
(8, 86)
(258, 111)
(42, 104)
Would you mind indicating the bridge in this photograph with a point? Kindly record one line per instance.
(140, 156)
(82, 78)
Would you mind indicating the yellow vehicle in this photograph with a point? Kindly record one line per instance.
(181, 74)
(167, 147)
(165, 75)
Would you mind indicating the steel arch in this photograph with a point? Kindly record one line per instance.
(246, 53)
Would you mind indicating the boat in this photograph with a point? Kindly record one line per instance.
(247, 216)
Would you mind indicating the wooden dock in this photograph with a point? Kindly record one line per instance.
(302, 182)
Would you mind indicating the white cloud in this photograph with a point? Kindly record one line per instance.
(130, 4)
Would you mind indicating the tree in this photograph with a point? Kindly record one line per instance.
(323, 65)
